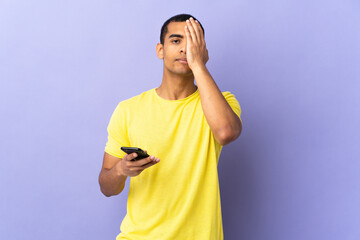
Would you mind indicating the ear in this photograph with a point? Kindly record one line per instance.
(160, 51)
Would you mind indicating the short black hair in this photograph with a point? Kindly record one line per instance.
(176, 18)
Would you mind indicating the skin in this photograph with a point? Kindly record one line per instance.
(186, 39)
(184, 54)
(115, 171)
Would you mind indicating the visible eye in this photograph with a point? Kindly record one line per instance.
(176, 41)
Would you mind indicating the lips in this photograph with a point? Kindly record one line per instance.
(182, 60)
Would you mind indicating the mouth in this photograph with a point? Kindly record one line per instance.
(182, 60)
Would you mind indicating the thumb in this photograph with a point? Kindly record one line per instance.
(131, 156)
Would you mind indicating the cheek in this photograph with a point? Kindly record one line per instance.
(168, 55)
(167, 58)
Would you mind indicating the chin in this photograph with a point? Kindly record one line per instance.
(186, 74)
(184, 71)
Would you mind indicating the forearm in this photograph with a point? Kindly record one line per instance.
(222, 120)
(111, 182)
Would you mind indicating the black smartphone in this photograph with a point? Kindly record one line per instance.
(140, 153)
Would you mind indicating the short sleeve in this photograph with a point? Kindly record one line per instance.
(117, 133)
(233, 102)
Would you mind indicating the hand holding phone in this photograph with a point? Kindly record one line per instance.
(140, 153)
(130, 167)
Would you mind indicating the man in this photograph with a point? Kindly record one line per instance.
(183, 124)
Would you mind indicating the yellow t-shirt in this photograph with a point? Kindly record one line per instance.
(179, 197)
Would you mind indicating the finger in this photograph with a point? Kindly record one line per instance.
(196, 29)
(192, 31)
(141, 168)
(129, 157)
(187, 34)
(149, 165)
(143, 161)
(202, 38)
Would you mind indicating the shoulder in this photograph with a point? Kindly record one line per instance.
(135, 100)
(233, 102)
(228, 95)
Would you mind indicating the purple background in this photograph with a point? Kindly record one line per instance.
(293, 66)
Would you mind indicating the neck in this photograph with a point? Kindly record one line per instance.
(175, 87)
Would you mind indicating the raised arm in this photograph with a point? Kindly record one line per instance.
(224, 123)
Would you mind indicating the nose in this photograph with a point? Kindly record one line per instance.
(183, 48)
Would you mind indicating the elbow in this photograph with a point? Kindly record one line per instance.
(107, 190)
(108, 193)
(230, 135)
(226, 140)
(103, 190)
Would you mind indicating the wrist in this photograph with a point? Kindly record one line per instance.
(118, 170)
(198, 65)
(199, 69)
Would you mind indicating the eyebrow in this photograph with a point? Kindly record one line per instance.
(176, 35)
